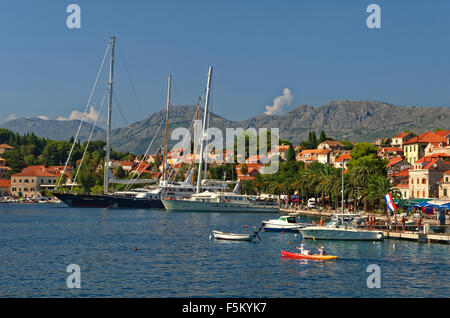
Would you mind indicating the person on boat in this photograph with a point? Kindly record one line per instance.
(321, 222)
(403, 223)
(322, 251)
(303, 250)
(395, 223)
(388, 223)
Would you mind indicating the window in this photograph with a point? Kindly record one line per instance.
(418, 195)
(424, 181)
(445, 192)
(423, 192)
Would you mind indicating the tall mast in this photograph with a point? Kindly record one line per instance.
(167, 124)
(195, 136)
(205, 174)
(199, 175)
(108, 123)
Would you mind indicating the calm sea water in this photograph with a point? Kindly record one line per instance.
(177, 258)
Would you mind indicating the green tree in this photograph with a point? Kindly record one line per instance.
(290, 154)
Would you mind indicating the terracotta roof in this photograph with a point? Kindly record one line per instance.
(401, 135)
(5, 183)
(6, 146)
(433, 156)
(332, 143)
(442, 133)
(387, 149)
(280, 148)
(34, 171)
(427, 137)
(394, 161)
(401, 173)
(401, 186)
(343, 157)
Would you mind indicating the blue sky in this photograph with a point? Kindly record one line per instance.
(320, 50)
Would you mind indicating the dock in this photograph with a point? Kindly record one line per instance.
(408, 234)
(418, 237)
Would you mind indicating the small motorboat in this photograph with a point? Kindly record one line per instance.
(313, 256)
(283, 224)
(234, 236)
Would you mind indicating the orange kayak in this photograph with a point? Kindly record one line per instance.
(315, 256)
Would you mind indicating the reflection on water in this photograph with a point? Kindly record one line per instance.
(175, 257)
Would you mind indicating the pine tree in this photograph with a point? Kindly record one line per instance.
(291, 153)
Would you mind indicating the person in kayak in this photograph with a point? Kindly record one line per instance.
(303, 250)
(322, 251)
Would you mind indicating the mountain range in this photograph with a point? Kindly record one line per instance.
(340, 119)
(52, 129)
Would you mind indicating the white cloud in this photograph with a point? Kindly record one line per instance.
(91, 116)
(279, 103)
(43, 117)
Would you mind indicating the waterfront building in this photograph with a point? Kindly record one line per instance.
(31, 180)
(444, 186)
(401, 182)
(425, 175)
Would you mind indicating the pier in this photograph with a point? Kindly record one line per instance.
(418, 237)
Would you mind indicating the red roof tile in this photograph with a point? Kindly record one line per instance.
(427, 137)
(394, 161)
(5, 183)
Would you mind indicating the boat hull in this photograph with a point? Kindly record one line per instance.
(316, 257)
(124, 202)
(85, 200)
(107, 201)
(271, 227)
(197, 206)
(324, 233)
(233, 236)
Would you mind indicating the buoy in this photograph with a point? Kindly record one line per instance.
(135, 248)
(282, 232)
